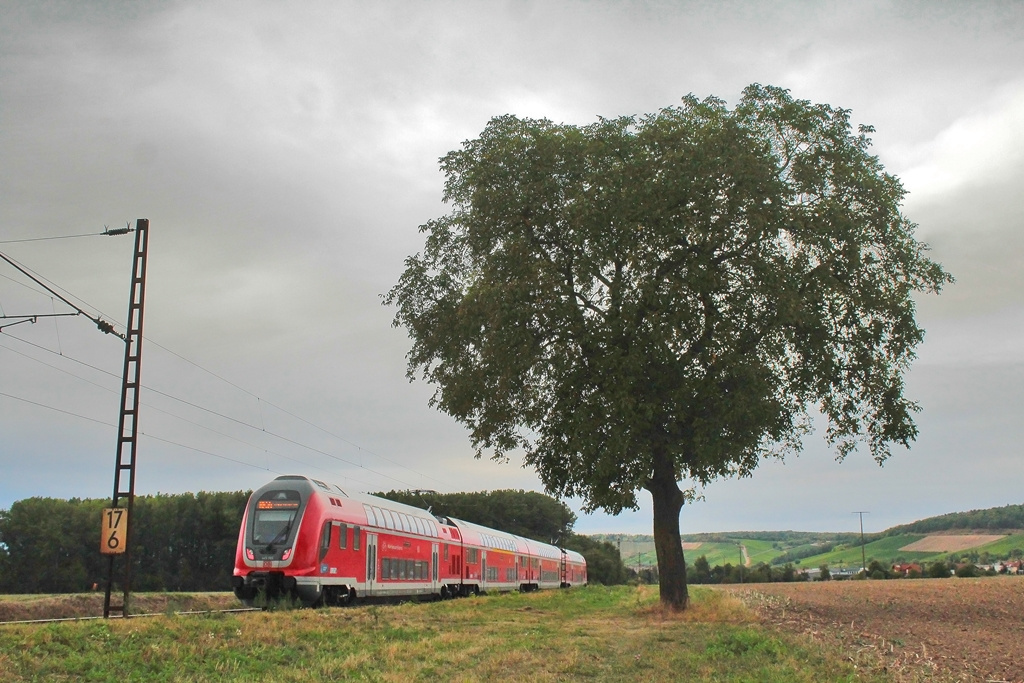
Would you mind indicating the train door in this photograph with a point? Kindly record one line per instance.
(371, 563)
(483, 570)
(434, 557)
(563, 571)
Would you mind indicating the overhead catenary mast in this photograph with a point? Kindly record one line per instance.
(116, 538)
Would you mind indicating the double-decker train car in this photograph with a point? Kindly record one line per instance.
(304, 537)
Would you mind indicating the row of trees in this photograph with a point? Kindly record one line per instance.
(186, 542)
(702, 572)
(1005, 517)
(181, 542)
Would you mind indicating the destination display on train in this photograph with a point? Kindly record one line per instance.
(277, 504)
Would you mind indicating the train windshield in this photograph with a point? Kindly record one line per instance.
(275, 516)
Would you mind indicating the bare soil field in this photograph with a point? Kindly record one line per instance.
(950, 543)
(916, 630)
(692, 546)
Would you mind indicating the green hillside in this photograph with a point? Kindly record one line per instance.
(841, 550)
(886, 550)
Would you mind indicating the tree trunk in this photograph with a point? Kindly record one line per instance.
(668, 502)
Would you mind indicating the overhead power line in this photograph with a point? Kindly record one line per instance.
(215, 413)
(107, 232)
(108, 328)
(102, 324)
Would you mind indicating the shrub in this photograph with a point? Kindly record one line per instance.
(967, 571)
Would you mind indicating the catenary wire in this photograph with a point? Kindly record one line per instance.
(230, 383)
(165, 412)
(216, 413)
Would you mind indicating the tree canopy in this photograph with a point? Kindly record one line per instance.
(182, 542)
(647, 300)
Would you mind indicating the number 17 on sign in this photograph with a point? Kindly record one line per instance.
(114, 532)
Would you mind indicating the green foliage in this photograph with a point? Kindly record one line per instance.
(523, 513)
(996, 519)
(182, 542)
(604, 565)
(966, 571)
(938, 570)
(650, 299)
(876, 570)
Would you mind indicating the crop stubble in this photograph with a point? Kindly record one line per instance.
(924, 629)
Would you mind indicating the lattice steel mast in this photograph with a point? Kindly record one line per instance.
(127, 425)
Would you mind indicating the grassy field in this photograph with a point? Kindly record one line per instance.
(1003, 546)
(608, 634)
(716, 553)
(885, 550)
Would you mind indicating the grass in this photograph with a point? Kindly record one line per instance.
(596, 633)
(1003, 546)
(885, 550)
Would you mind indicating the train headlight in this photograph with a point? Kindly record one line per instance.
(287, 554)
(249, 554)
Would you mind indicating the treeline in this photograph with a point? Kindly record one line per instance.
(702, 572)
(183, 542)
(524, 513)
(1006, 517)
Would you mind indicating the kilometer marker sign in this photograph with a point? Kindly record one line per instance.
(114, 531)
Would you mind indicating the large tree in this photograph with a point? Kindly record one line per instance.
(652, 300)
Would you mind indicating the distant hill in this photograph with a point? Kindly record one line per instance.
(811, 549)
(1000, 518)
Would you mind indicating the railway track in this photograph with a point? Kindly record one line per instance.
(134, 616)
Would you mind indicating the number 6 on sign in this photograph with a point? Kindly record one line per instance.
(114, 531)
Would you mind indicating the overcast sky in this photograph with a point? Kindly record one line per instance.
(286, 153)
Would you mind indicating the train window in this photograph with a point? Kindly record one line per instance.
(418, 526)
(355, 538)
(378, 516)
(385, 568)
(472, 555)
(275, 515)
(342, 536)
(404, 519)
(325, 540)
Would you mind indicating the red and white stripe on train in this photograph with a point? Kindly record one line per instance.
(315, 541)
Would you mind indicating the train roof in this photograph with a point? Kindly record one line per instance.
(485, 536)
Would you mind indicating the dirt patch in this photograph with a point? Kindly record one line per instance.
(951, 543)
(77, 606)
(914, 630)
(692, 546)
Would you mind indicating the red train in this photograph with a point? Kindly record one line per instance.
(315, 541)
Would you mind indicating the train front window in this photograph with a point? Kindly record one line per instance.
(275, 516)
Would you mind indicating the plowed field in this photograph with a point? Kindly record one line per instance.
(917, 630)
(950, 543)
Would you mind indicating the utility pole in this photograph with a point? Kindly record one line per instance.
(116, 539)
(863, 560)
